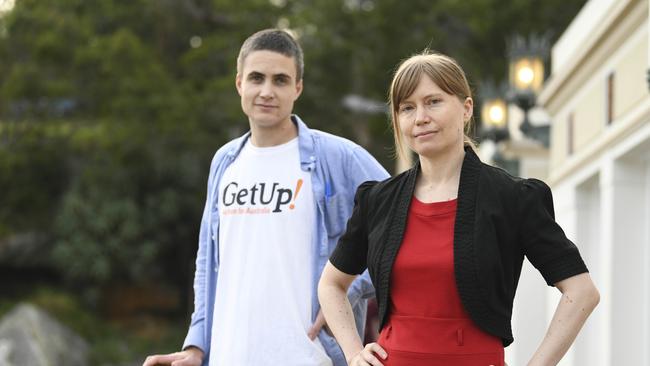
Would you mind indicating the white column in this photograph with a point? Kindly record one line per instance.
(529, 318)
(566, 214)
(646, 255)
(588, 238)
(603, 279)
(629, 220)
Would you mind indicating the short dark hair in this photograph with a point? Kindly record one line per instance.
(275, 40)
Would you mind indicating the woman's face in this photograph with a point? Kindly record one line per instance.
(432, 121)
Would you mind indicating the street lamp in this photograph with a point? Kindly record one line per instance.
(494, 111)
(526, 76)
(494, 115)
(494, 124)
(527, 73)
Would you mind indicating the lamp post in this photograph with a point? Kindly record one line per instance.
(526, 76)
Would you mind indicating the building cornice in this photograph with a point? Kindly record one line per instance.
(629, 124)
(620, 20)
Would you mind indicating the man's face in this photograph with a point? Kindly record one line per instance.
(268, 88)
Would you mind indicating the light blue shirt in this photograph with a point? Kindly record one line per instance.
(338, 166)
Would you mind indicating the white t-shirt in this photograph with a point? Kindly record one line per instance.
(264, 290)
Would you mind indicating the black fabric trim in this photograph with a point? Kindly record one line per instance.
(388, 251)
(568, 265)
(465, 266)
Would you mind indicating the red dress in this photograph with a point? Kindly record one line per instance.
(427, 324)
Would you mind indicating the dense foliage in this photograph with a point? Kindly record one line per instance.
(110, 110)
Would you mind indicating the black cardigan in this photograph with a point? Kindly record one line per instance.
(499, 219)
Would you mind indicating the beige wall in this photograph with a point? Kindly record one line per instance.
(588, 111)
(629, 62)
(558, 149)
(630, 83)
(589, 116)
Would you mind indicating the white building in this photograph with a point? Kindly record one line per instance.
(599, 169)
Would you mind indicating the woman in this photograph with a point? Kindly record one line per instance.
(444, 241)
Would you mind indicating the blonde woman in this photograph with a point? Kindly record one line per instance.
(444, 241)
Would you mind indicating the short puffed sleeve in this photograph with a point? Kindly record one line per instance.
(351, 252)
(543, 240)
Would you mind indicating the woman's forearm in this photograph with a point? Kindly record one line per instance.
(340, 318)
(333, 297)
(579, 298)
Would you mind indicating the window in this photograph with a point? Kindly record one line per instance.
(569, 134)
(609, 103)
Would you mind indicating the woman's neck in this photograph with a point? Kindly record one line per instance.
(439, 176)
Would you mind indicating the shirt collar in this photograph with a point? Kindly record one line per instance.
(305, 143)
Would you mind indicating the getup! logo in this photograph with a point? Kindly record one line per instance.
(260, 198)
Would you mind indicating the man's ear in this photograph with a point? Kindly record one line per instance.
(238, 83)
(299, 86)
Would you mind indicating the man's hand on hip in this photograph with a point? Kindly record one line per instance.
(192, 356)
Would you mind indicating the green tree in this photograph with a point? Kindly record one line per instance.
(352, 47)
(110, 110)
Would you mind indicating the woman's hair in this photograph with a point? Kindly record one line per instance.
(443, 70)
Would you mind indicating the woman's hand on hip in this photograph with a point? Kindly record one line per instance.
(367, 356)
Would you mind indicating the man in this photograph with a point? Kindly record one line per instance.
(278, 199)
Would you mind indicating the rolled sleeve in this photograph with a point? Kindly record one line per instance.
(196, 335)
(543, 240)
